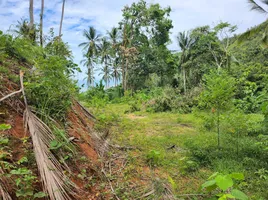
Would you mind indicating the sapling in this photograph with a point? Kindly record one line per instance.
(218, 92)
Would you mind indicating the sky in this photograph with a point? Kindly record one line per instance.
(104, 14)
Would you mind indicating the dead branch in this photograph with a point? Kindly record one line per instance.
(10, 95)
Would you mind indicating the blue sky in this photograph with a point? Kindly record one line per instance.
(104, 14)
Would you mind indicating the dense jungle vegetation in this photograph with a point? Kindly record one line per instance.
(186, 124)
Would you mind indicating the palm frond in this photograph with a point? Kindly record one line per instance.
(3, 192)
(55, 183)
(257, 7)
(265, 2)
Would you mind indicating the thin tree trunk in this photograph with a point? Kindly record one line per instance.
(218, 125)
(41, 22)
(62, 15)
(31, 13)
(184, 80)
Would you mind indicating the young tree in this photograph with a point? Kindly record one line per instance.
(62, 15)
(218, 92)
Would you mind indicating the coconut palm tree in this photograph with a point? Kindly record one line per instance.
(62, 15)
(113, 37)
(105, 58)
(185, 42)
(106, 75)
(91, 48)
(41, 22)
(31, 24)
(88, 62)
(116, 71)
(262, 10)
(22, 28)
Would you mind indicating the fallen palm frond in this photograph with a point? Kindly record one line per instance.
(3, 192)
(10, 95)
(86, 112)
(55, 182)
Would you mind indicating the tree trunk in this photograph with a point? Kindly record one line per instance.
(41, 22)
(62, 15)
(31, 14)
(184, 80)
(218, 125)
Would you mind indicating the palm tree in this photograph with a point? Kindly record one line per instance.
(113, 37)
(62, 15)
(105, 51)
(88, 62)
(32, 30)
(106, 72)
(262, 10)
(116, 71)
(185, 42)
(31, 24)
(41, 22)
(22, 28)
(91, 48)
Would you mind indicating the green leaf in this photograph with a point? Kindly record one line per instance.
(208, 184)
(230, 196)
(4, 141)
(239, 195)
(39, 195)
(237, 176)
(213, 175)
(54, 144)
(4, 127)
(224, 182)
(23, 160)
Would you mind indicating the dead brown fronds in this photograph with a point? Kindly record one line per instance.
(55, 183)
(3, 191)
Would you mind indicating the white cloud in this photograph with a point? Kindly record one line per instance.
(104, 14)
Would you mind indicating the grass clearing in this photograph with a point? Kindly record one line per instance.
(178, 148)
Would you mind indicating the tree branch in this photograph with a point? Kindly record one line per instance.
(10, 95)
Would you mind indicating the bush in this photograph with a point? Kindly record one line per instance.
(49, 89)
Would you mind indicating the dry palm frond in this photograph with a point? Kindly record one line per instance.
(3, 192)
(55, 182)
(86, 112)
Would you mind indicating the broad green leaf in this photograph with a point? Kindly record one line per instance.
(223, 197)
(4, 127)
(208, 184)
(54, 144)
(237, 176)
(239, 195)
(213, 175)
(4, 141)
(230, 196)
(224, 182)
